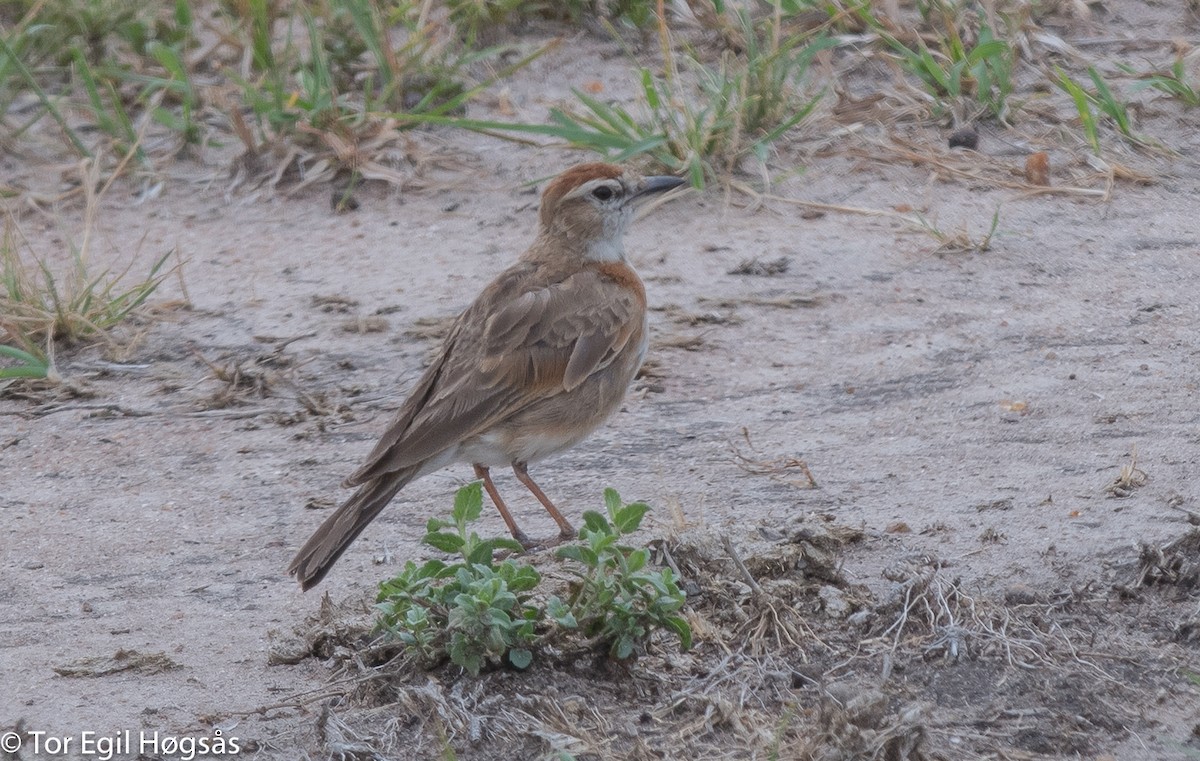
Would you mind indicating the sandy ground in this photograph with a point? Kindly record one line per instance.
(970, 407)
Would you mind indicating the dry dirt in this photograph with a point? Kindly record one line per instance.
(962, 582)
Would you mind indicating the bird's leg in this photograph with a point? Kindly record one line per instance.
(483, 474)
(565, 529)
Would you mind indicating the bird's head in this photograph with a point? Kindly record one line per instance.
(589, 206)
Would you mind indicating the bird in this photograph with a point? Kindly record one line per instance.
(541, 358)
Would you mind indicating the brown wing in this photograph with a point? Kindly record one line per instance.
(502, 356)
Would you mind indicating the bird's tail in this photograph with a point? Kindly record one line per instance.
(329, 541)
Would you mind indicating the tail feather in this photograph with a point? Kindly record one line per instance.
(329, 541)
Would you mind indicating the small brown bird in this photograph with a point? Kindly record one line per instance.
(541, 358)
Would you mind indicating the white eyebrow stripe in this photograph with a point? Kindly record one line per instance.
(591, 185)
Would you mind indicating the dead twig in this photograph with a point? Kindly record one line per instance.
(727, 543)
(773, 469)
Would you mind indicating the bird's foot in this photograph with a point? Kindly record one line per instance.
(535, 545)
(521, 538)
(550, 542)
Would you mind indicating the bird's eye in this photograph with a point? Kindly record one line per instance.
(602, 193)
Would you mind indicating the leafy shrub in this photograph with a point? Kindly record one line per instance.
(617, 600)
(476, 612)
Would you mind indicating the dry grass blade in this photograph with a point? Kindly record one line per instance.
(960, 241)
(979, 169)
(933, 615)
(776, 469)
(759, 268)
(759, 197)
(727, 543)
(777, 302)
(45, 303)
(1129, 478)
(261, 375)
(239, 379)
(1175, 564)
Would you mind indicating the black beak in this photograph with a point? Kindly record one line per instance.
(659, 184)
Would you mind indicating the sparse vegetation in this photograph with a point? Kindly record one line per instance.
(1091, 105)
(343, 95)
(27, 364)
(617, 600)
(478, 612)
(1129, 478)
(964, 513)
(43, 306)
(474, 610)
(960, 241)
(956, 73)
(1173, 82)
(322, 90)
(701, 121)
(327, 75)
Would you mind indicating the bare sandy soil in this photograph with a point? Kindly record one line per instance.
(963, 415)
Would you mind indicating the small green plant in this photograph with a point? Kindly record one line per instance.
(742, 106)
(475, 17)
(41, 306)
(736, 109)
(33, 365)
(617, 600)
(178, 84)
(20, 50)
(635, 13)
(165, 43)
(340, 89)
(96, 28)
(108, 110)
(959, 242)
(1172, 83)
(1090, 105)
(426, 73)
(312, 99)
(84, 54)
(474, 611)
(982, 74)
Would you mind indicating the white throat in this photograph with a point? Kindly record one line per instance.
(610, 249)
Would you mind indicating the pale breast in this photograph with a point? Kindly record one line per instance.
(554, 424)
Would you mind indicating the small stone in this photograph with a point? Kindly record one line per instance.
(861, 618)
(1019, 594)
(964, 138)
(1037, 168)
(833, 601)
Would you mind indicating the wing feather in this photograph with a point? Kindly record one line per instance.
(541, 342)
